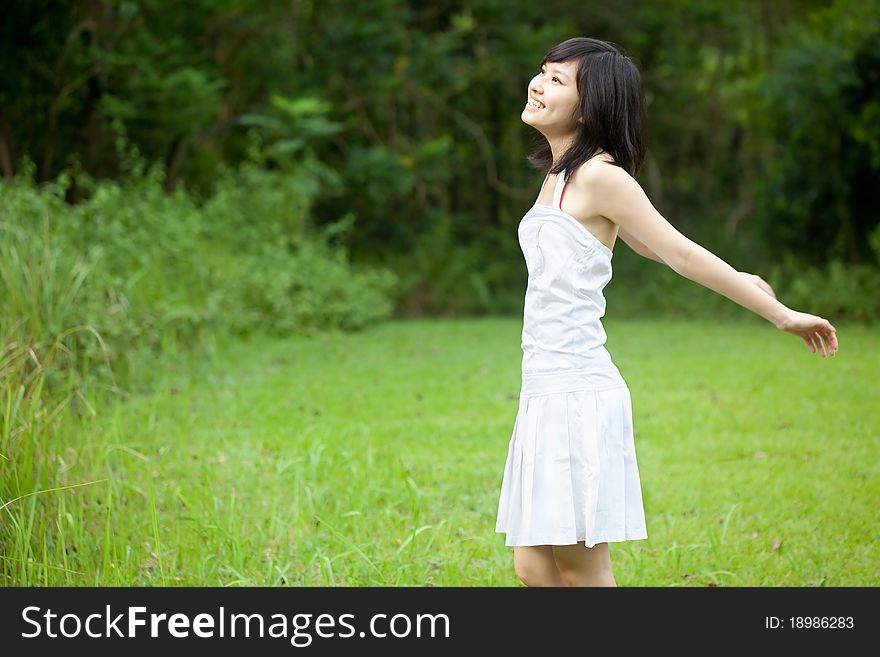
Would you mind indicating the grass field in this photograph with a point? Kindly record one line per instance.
(376, 459)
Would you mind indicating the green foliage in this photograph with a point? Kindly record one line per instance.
(818, 111)
(291, 125)
(763, 123)
(92, 294)
(835, 289)
(142, 267)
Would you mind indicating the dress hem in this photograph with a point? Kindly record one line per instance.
(556, 540)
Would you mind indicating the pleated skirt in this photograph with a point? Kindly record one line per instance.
(571, 472)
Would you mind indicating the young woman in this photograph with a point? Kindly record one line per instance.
(571, 481)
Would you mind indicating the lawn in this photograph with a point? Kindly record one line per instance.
(375, 459)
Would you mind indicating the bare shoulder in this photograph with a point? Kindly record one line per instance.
(603, 182)
(619, 198)
(602, 172)
(612, 189)
(597, 172)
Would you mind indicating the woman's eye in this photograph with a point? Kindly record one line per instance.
(553, 78)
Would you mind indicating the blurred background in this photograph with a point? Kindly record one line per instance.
(393, 128)
(179, 173)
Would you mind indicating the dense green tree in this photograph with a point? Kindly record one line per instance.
(763, 115)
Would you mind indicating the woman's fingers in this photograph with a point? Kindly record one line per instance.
(766, 287)
(817, 343)
(829, 334)
(818, 333)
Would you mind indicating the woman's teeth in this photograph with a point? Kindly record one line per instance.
(534, 104)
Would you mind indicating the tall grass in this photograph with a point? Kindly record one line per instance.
(93, 295)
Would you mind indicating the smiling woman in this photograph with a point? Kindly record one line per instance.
(571, 481)
(557, 76)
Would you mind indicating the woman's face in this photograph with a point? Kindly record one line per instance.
(555, 89)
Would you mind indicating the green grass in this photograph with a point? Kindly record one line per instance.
(376, 459)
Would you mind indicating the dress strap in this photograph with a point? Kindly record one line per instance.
(559, 191)
(543, 184)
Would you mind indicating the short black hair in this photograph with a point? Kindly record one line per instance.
(612, 108)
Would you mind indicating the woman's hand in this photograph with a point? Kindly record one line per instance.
(760, 282)
(814, 330)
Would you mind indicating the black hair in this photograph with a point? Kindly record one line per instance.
(611, 106)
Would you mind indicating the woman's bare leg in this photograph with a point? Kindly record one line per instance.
(583, 566)
(535, 565)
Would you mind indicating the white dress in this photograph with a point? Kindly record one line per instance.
(571, 472)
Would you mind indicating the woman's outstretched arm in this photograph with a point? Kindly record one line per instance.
(620, 198)
(645, 252)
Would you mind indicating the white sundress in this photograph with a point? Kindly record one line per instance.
(571, 472)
